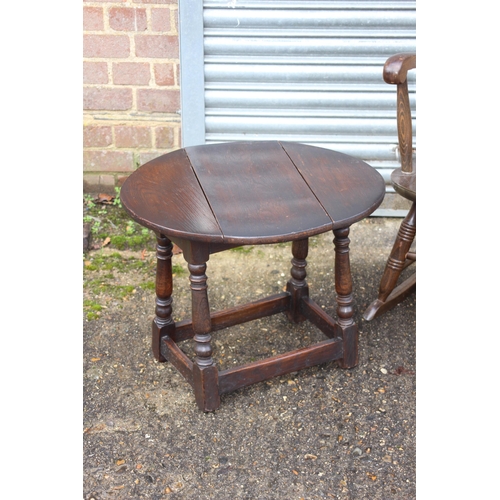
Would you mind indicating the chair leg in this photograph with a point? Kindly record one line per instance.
(389, 295)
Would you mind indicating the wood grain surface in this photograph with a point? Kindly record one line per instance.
(251, 192)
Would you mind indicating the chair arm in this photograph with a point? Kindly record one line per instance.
(397, 67)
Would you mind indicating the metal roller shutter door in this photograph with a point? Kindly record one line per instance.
(308, 71)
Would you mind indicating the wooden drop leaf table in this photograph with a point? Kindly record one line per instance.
(215, 197)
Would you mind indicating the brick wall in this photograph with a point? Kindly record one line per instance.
(131, 93)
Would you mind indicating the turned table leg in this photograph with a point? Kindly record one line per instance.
(163, 323)
(297, 285)
(343, 286)
(205, 373)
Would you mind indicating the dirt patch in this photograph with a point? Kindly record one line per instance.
(322, 432)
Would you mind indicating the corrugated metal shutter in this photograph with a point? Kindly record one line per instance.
(306, 71)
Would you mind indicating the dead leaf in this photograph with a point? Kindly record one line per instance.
(106, 241)
(295, 472)
(104, 198)
(400, 370)
(120, 462)
(373, 477)
(176, 250)
(95, 359)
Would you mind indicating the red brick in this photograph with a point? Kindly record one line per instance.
(97, 136)
(108, 161)
(162, 101)
(160, 19)
(95, 72)
(93, 19)
(165, 137)
(93, 183)
(151, 155)
(132, 137)
(106, 46)
(157, 46)
(164, 74)
(131, 73)
(107, 99)
(175, 27)
(127, 19)
(175, 2)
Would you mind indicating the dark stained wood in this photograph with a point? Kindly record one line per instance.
(398, 294)
(404, 180)
(256, 192)
(251, 193)
(405, 184)
(350, 345)
(210, 198)
(343, 280)
(237, 315)
(400, 257)
(397, 66)
(205, 373)
(163, 324)
(347, 188)
(202, 325)
(297, 285)
(405, 135)
(345, 311)
(322, 352)
(206, 387)
(318, 317)
(182, 363)
(395, 72)
(165, 196)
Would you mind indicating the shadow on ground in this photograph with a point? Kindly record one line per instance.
(319, 433)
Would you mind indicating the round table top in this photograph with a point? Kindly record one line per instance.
(251, 192)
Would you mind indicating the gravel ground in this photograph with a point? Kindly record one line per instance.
(319, 433)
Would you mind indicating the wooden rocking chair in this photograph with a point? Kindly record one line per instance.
(404, 181)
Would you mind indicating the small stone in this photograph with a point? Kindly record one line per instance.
(383, 370)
